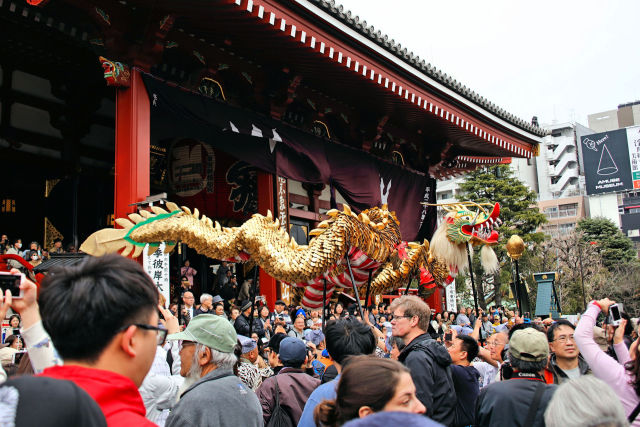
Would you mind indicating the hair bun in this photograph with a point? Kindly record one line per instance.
(326, 413)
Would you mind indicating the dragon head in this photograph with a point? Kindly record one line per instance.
(467, 223)
(476, 227)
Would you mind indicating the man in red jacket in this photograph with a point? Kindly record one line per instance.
(102, 317)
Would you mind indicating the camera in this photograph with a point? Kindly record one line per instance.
(11, 282)
(615, 314)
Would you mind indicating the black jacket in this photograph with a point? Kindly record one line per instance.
(242, 326)
(430, 366)
(558, 374)
(506, 403)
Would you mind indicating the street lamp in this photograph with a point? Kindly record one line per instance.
(515, 248)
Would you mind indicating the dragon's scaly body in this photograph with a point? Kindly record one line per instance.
(371, 241)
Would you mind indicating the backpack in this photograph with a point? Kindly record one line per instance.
(279, 416)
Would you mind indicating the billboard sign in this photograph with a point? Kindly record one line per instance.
(611, 160)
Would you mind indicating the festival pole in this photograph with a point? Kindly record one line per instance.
(353, 282)
(515, 248)
(473, 285)
(324, 304)
(366, 298)
(406, 290)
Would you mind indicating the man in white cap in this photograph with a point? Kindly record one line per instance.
(248, 371)
(522, 399)
(216, 397)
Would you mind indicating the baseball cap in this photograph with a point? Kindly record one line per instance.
(213, 331)
(389, 418)
(292, 348)
(529, 345)
(247, 344)
(217, 298)
(315, 336)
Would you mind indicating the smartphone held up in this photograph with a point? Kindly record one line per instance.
(11, 282)
(615, 314)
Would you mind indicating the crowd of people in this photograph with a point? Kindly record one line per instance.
(35, 254)
(100, 347)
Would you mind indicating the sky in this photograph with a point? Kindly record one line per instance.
(559, 60)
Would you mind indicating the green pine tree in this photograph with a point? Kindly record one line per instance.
(616, 248)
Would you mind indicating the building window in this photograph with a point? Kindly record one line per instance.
(8, 206)
(568, 210)
(634, 210)
(566, 228)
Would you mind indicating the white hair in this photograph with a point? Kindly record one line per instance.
(218, 358)
(585, 402)
(205, 297)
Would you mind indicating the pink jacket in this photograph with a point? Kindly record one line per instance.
(604, 366)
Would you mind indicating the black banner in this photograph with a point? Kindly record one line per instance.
(605, 157)
(362, 179)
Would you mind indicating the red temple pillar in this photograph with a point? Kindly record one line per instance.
(132, 165)
(435, 300)
(266, 201)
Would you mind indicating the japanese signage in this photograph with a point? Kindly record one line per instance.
(157, 267)
(285, 292)
(633, 142)
(282, 198)
(612, 160)
(450, 292)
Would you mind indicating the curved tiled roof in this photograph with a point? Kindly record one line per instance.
(384, 41)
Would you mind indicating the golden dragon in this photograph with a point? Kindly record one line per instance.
(371, 241)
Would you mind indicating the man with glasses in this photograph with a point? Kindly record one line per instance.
(188, 309)
(107, 335)
(428, 361)
(214, 396)
(565, 362)
(492, 358)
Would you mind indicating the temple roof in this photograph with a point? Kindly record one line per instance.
(359, 25)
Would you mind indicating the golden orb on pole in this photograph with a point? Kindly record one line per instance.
(515, 247)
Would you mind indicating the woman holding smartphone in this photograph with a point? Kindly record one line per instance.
(623, 376)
